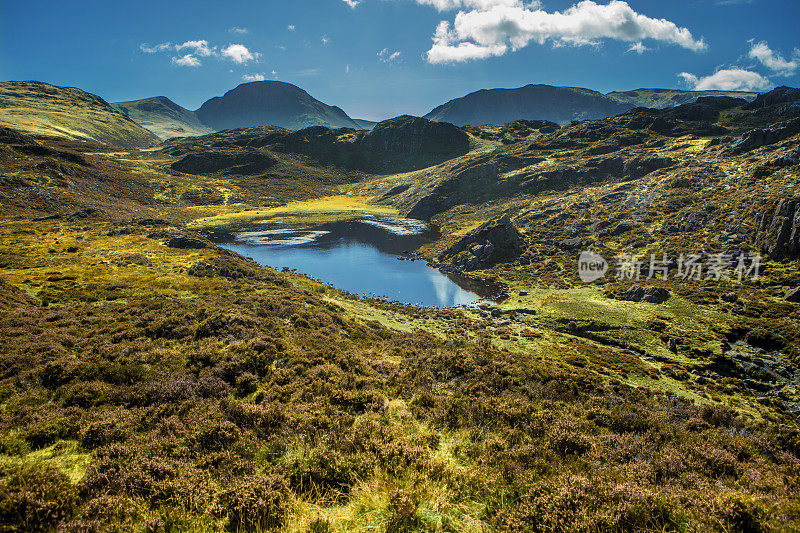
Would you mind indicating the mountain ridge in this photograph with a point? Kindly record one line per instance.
(558, 104)
(162, 117)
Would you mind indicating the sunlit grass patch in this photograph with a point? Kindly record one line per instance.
(65, 456)
(326, 209)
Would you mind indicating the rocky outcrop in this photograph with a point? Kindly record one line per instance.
(779, 230)
(494, 242)
(243, 162)
(779, 95)
(653, 295)
(764, 137)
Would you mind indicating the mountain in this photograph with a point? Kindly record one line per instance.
(163, 117)
(663, 98)
(270, 103)
(557, 104)
(42, 109)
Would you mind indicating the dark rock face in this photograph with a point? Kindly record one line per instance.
(494, 242)
(779, 231)
(653, 295)
(765, 137)
(779, 95)
(242, 162)
(408, 142)
(270, 103)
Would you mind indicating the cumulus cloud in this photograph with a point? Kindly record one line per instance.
(385, 56)
(239, 30)
(290, 27)
(493, 27)
(199, 48)
(187, 60)
(238, 53)
(773, 60)
(259, 76)
(193, 50)
(352, 3)
(733, 79)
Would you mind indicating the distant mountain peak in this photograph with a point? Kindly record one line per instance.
(271, 103)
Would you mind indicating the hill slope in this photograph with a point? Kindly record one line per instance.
(557, 104)
(663, 98)
(271, 103)
(400, 144)
(43, 109)
(163, 117)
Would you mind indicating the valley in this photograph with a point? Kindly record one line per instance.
(155, 378)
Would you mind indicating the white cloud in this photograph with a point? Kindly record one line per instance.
(187, 60)
(773, 60)
(639, 48)
(239, 53)
(495, 26)
(325, 40)
(239, 30)
(200, 48)
(447, 5)
(385, 56)
(352, 3)
(733, 79)
(147, 49)
(290, 27)
(259, 76)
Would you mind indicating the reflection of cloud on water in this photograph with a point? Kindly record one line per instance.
(448, 293)
(291, 237)
(398, 226)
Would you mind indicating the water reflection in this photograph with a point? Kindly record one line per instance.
(360, 257)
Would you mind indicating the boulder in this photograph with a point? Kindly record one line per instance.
(792, 295)
(653, 295)
(494, 242)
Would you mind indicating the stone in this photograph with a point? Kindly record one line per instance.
(574, 243)
(792, 295)
(637, 293)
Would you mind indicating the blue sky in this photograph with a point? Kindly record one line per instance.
(382, 58)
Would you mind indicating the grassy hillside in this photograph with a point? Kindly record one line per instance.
(163, 117)
(153, 381)
(42, 109)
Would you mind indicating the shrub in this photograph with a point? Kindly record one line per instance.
(256, 502)
(34, 498)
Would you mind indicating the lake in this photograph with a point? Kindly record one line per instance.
(362, 257)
